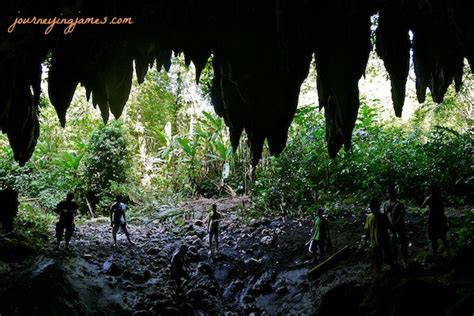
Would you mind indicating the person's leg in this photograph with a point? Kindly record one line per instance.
(445, 244)
(115, 229)
(59, 234)
(216, 235)
(186, 276)
(318, 251)
(404, 245)
(443, 232)
(434, 246)
(322, 244)
(210, 241)
(8, 223)
(378, 255)
(433, 235)
(178, 282)
(68, 235)
(395, 243)
(314, 251)
(181, 278)
(125, 230)
(386, 249)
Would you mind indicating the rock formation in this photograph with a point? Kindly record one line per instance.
(262, 53)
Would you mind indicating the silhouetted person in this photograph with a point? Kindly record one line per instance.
(437, 221)
(118, 220)
(213, 227)
(65, 226)
(395, 210)
(320, 237)
(8, 208)
(180, 266)
(377, 226)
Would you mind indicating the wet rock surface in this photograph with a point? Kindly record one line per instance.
(245, 276)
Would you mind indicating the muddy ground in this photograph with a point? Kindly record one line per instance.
(262, 268)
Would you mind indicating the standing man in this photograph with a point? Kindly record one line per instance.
(377, 226)
(65, 226)
(395, 210)
(437, 220)
(320, 238)
(213, 227)
(117, 219)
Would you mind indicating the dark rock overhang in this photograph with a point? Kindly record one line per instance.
(262, 53)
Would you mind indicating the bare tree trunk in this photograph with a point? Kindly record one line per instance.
(89, 208)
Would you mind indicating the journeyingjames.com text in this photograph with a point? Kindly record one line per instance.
(69, 23)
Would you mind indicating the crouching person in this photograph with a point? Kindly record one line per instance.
(180, 267)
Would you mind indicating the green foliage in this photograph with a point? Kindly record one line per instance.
(465, 231)
(31, 221)
(53, 170)
(178, 149)
(456, 111)
(289, 183)
(207, 76)
(194, 163)
(107, 163)
(32, 225)
(382, 153)
(151, 106)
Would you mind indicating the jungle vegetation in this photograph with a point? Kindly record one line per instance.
(169, 146)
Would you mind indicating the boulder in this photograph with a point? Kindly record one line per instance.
(248, 298)
(147, 274)
(252, 263)
(138, 278)
(114, 269)
(153, 251)
(282, 290)
(263, 284)
(199, 297)
(266, 240)
(163, 304)
(4, 268)
(235, 286)
(205, 268)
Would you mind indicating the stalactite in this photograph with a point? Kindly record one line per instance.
(393, 46)
(261, 55)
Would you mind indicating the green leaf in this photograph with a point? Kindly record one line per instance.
(222, 150)
(185, 146)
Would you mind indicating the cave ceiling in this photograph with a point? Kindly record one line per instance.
(262, 52)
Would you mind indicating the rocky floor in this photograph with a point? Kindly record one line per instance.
(262, 268)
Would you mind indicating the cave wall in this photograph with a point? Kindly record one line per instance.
(262, 53)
